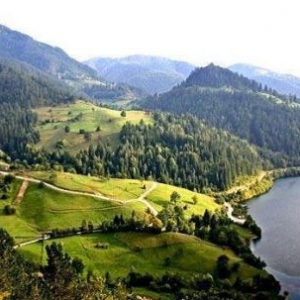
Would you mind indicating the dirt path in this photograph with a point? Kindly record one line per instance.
(26, 181)
(21, 193)
(143, 200)
(101, 197)
(55, 188)
(245, 186)
(230, 215)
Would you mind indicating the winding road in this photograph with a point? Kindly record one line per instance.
(231, 216)
(141, 199)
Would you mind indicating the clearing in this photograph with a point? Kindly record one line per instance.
(82, 115)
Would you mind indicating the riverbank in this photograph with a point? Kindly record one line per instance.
(251, 187)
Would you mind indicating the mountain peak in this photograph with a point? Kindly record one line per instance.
(218, 77)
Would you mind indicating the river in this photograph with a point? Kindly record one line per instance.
(277, 213)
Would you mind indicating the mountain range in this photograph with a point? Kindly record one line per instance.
(152, 74)
(53, 61)
(283, 83)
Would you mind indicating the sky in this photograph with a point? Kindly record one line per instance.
(259, 32)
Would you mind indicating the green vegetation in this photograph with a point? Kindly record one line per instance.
(122, 189)
(46, 209)
(145, 253)
(63, 123)
(231, 102)
(160, 197)
(19, 228)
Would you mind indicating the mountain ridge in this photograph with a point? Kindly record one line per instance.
(283, 83)
(154, 74)
(234, 103)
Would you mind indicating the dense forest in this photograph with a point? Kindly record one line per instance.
(232, 102)
(175, 150)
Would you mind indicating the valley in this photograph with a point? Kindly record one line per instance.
(126, 178)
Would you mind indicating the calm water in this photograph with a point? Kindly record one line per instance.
(278, 215)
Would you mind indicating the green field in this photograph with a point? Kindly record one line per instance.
(46, 209)
(143, 252)
(123, 189)
(127, 189)
(43, 209)
(82, 115)
(15, 225)
(161, 197)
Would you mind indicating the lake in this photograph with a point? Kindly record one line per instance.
(277, 213)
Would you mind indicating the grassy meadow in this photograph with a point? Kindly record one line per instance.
(82, 115)
(144, 253)
(123, 189)
(160, 197)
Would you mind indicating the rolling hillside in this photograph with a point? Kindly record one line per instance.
(101, 124)
(42, 208)
(150, 73)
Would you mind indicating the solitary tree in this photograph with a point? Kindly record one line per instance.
(67, 129)
(123, 113)
(195, 199)
(174, 197)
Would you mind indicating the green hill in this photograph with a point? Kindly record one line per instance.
(241, 106)
(145, 253)
(101, 124)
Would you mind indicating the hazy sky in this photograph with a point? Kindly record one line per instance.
(260, 32)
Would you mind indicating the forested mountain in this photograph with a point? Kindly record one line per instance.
(232, 102)
(21, 88)
(283, 83)
(51, 60)
(55, 62)
(150, 73)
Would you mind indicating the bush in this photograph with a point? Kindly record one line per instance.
(9, 210)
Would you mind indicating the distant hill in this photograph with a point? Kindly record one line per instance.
(23, 85)
(55, 62)
(283, 83)
(21, 88)
(150, 73)
(52, 60)
(242, 106)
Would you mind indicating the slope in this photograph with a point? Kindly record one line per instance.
(21, 88)
(232, 102)
(96, 124)
(55, 62)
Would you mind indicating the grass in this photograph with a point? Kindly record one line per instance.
(122, 189)
(19, 229)
(161, 197)
(53, 120)
(144, 253)
(126, 189)
(46, 209)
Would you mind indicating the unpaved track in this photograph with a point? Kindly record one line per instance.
(21, 193)
(26, 181)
